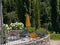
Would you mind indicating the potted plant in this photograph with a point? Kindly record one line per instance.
(13, 29)
(32, 33)
(17, 28)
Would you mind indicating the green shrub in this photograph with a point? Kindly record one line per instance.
(41, 32)
(49, 32)
(55, 36)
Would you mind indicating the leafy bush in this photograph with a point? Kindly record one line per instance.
(41, 32)
(49, 32)
(55, 36)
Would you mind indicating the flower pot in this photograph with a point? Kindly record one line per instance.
(33, 35)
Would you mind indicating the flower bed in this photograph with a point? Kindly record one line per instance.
(15, 31)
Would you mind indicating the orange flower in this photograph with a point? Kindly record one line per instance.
(28, 24)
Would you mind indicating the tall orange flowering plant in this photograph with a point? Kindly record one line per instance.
(28, 24)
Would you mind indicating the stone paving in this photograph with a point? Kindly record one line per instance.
(55, 42)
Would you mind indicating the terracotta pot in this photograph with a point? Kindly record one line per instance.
(33, 35)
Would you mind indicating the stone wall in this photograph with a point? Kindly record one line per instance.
(41, 41)
(45, 40)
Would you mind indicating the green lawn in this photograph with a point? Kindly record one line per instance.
(55, 36)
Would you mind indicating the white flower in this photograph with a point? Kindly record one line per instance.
(17, 25)
(6, 25)
(22, 25)
(10, 27)
(20, 28)
(11, 24)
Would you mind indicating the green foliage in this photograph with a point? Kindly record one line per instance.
(41, 32)
(36, 13)
(55, 36)
(54, 15)
(49, 32)
(8, 6)
(20, 9)
(58, 6)
(44, 11)
(31, 29)
(5, 31)
(7, 19)
(10, 17)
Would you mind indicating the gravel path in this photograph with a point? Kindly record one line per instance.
(55, 42)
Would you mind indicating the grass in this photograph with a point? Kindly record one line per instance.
(55, 36)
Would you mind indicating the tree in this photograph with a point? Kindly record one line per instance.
(36, 13)
(11, 17)
(58, 6)
(54, 15)
(8, 6)
(45, 13)
(20, 9)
